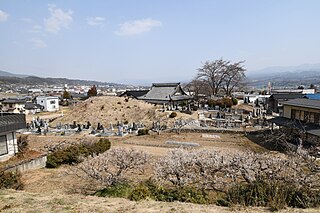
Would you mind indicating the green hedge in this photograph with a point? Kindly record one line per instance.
(74, 154)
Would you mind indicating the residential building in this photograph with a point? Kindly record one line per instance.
(49, 103)
(9, 123)
(302, 114)
(275, 100)
(13, 105)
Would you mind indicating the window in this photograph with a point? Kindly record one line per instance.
(316, 118)
(52, 102)
(293, 113)
(3, 145)
(311, 118)
(306, 116)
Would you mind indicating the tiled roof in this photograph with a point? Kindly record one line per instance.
(134, 93)
(165, 92)
(286, 96)
(303, 102)
(13, 101)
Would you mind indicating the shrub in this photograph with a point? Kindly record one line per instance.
(234, 101)
(22, 143)
(117, 190)
(211, 103)
(10, 180)
(173, 115)
(75, 154)
(125, 122)
(140, 192)
(274, 194)
(143, 132)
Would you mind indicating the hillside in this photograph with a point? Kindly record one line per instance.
(10, 78)
(106, 109)
(286, 76)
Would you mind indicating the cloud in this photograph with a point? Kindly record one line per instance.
(36, 29)
(58, 19)
(3, 16)
(137, 27)
(27, 20)
(38, 43)
(95, 21)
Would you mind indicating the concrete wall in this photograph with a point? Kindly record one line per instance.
(11, 145)
(36, 163)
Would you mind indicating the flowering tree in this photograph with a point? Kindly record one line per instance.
(109, 168)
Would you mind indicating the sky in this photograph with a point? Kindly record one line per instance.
(144, 41)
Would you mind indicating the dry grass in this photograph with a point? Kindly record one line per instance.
(108, 109)
(21, 201)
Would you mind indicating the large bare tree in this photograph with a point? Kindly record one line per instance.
(222, 74)
(234, 78)
(213, 73)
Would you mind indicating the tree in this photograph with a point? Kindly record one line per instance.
(109, 168)
(66, 95)
(234, 77)
(213, 73)
(198, 87)
(92, 91)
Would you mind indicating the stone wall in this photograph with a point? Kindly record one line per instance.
(35, 163)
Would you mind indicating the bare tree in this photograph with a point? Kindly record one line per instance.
(109, 168)
(234, 77)
(198, 87)
(215, 170)
(213, 73)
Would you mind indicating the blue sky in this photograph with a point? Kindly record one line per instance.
(145, 41)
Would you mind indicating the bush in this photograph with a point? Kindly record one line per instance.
(22, 143)
(140, 192)
(234, 101)
(119, 190)
(173, 115)
(75, 154)
(143, 132)
(276, 195)
(10, 180)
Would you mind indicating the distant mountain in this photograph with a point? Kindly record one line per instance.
(10, 78)
(9, 74)
(305, 74)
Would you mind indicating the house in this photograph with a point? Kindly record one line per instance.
(166, 93)
(136, 94)
(13, 105)
(49, 103)
(275, 100)
(9, 123)
(31, 108)
(302, 114)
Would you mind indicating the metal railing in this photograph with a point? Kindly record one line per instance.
(11, 122)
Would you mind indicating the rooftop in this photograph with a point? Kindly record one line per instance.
(303, 102)
(12, 122)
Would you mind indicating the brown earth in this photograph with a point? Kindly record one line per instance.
(110, 109)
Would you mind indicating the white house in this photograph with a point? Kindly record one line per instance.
(9, 123)
(50, 103)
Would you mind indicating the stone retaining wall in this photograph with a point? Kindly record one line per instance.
(35, 163)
